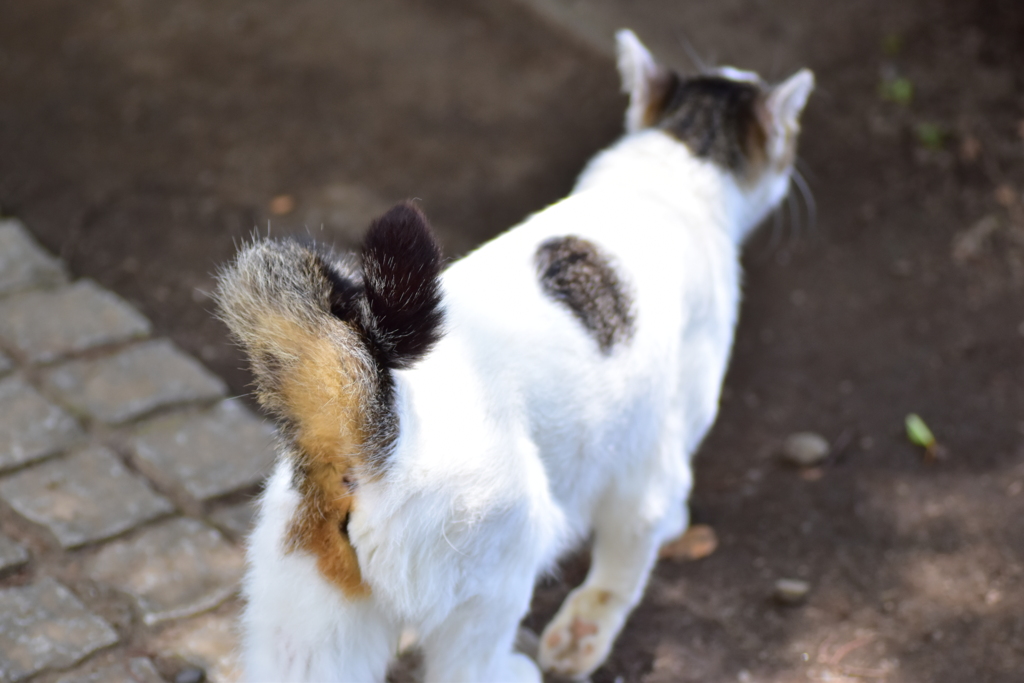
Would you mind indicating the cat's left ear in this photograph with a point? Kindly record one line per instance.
(643, 79)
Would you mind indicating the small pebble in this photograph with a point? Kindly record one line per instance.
(190, 674)
(791, 591)
(282, 204)
(812, 474)
(805, 449)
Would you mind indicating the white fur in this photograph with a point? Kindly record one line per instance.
(519, 438)
(641, 74)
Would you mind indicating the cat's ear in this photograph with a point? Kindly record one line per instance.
(643, 79)
(786, 101)
(780, 114)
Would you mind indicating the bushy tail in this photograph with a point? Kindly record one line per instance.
(322, 335)
(387, 304)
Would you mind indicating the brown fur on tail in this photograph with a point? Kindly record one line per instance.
(322, 336)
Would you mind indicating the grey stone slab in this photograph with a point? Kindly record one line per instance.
(87, 496)
(132, 382)
(175, 569)
(135, 670)
(210, 453)
(45, 325)
(209, 642)
(23, 263)
(237, 520)
(30, 426)
(11, 554)
(44, 626)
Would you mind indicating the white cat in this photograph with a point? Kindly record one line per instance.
(448, 435)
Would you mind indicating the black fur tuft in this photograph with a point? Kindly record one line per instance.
(401, 264)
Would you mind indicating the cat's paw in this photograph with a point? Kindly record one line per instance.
(523, 670)
(579, 638)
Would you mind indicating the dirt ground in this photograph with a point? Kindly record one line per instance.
(141, 140)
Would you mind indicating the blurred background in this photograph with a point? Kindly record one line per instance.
(142, 140)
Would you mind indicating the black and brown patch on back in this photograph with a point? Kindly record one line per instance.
(716, 118)
(575, 273)
(323, 336)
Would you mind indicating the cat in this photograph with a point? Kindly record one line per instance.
(449, 432)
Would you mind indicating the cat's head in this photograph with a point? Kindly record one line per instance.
(727, 116)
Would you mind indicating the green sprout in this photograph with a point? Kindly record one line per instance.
(930, 135)
(899, 90)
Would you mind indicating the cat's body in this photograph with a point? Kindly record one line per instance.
(551, 385)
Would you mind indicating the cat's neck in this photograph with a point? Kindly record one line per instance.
(654, 164)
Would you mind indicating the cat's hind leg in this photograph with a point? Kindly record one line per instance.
(475, 645)
(628, 531)
(298, 626)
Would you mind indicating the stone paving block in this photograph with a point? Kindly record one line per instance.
(176, 569)
(211, 453)
(23, 263)
(47, 324)
(209, 642)
(44, 626)
(135, 670)
(84, 497)
(11, 554)
(30, 426)
(237, 520)
(132, 382)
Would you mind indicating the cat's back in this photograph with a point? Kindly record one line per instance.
(604, 309)
(601, 271)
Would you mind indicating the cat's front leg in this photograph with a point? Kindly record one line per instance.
(580, 637)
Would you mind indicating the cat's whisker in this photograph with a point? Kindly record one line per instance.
(794, 208)
(805, 169)
(777, 231)
(775, 238)
(773, 66)
(777, 226)
(691, 52)
(808, 197)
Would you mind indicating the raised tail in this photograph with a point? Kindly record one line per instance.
(323, 335)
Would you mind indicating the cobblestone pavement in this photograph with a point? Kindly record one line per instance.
(126, 478)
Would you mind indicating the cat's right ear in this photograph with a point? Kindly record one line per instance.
(643, 79)
(780, 115)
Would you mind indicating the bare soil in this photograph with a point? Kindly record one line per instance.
(142, 140)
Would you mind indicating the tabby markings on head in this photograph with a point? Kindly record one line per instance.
(574, 272)
(715, 117)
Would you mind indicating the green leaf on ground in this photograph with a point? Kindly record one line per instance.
(930, 135)
(899, 90)
(918, 432)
